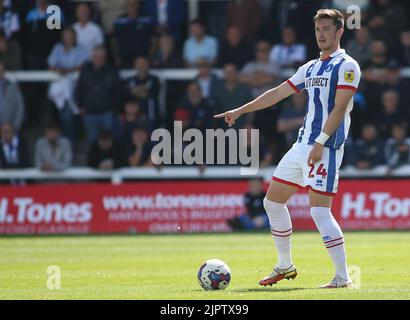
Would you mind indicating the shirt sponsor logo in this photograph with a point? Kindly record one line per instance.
(316, 82)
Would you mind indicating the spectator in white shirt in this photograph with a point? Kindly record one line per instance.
(89, 34)
(288, 53)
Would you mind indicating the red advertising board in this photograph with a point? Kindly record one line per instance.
(185, 206)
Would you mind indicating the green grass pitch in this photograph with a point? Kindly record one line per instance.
(165, 266)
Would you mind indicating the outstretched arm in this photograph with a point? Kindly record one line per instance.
(265, 100)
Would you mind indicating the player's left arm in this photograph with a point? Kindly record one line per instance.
(349, 77)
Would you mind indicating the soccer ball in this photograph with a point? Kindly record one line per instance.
(214, 274)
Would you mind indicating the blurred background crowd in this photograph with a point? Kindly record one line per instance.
(238, 48)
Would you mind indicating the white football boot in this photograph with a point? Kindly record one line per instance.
(337, 282)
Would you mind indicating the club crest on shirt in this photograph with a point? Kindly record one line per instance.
(329, 68)
(349, 75)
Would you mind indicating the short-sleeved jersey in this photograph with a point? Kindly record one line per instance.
(321, 79)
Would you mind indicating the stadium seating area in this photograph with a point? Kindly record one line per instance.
(91, 116)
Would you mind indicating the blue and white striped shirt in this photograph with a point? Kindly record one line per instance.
(321, 79)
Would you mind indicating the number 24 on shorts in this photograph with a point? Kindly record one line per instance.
(321, 171)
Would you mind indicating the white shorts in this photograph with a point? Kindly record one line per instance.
(322, 177)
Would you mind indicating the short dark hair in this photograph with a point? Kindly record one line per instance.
(100, 47)
(105, 134)
(132, 101)
(51, 125)
(72, 30)
(140, 127)
(335, 15)
(198, 21)
(400, 124)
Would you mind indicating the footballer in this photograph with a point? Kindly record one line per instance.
(314, 160)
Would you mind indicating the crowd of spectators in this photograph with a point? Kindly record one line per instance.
(252, 41)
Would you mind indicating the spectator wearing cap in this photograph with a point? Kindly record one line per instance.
(98, 93)
(231, 93)
(9, 20)
(207, 80)
(289, 53)
(89, 34)
(132, 34)
(12, 109)
(53, 152)
(13, 149)
(368, 151)
(10, 53)
(397, 147)
(199, 45)
(360, 46)
(234, 49)
(106, 153)
(139, 152)
(260, 74)
(145, 88)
